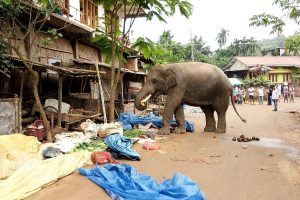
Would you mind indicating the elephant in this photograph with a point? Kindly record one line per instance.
(192, 83)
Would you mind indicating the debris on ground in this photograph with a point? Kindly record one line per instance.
(148, 145)
(242, 138)
(129, 120)
(51, 152)
(121, 147)
(191, 160)
(92, 129)
(102, 157)
(133, 133)
(215, 156)
(263, 168)
(125, 182)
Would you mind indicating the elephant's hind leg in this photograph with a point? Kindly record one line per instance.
(210, 119)
(179, 116)
(221, 107)
(221, 122)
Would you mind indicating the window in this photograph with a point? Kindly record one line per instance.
(273, 78)
(89, 13)
(286, 77)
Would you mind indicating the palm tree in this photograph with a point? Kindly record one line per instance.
(252, 46)
(222, 37)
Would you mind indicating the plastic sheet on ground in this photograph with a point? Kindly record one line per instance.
(28, 171)
(67, 141)
(129, 119)
(91, 129)
(121, 146)
(123, 182)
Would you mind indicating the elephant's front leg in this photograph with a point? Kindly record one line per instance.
(179, 116)
(172, 102)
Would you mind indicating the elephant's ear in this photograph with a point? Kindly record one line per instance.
(171, 79)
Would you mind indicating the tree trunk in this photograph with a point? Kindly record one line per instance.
(35, 81)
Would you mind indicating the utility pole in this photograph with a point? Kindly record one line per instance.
(192, 46)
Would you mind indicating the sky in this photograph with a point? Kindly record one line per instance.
(210, 16)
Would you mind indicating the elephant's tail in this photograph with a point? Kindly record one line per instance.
(233, 104)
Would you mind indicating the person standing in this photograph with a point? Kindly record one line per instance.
(269, 93)
(275, 96)
(285, 94)
(260, 92)
(251, 94)
(292, 93)
(280, 89)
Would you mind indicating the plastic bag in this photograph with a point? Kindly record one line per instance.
(102, 157)
(150, 146)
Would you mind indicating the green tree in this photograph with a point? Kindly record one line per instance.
(222, 37)
(292, 44)
(14, 30)
(152, 8)
(5, 64)
(291, 8)
(244, 47)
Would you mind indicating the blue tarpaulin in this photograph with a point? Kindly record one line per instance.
(129, 119)
(122, 146)
(123, 182)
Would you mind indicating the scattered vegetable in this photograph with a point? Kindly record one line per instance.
(93, 146)
(133, 133)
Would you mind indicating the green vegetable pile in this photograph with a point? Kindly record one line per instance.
(133, 133)
(93, 146)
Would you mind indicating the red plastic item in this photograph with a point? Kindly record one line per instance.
(150, 146)
(102, 157)
(33, 130)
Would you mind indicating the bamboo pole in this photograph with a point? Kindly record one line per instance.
(101, 94)
(60, 84)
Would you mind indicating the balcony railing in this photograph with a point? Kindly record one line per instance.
(87, 14)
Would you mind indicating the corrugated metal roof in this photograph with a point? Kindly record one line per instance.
(270, 61)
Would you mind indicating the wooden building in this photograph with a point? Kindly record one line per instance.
(68, 65)
(277, 69)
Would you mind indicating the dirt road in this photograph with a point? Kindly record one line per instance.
(224, 169)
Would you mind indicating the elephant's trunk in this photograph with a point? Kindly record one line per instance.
(142, 97)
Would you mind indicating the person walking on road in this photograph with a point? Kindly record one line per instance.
(275, 96)
(285, 94)
(251, 94)
(269, 92)
(260, 92)
(292, 93)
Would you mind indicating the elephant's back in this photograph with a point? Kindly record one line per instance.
(203, 80)
(203, 72)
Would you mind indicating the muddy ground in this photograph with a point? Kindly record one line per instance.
(225, 170)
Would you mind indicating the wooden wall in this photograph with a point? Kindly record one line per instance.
(88, 53)
(60, 49)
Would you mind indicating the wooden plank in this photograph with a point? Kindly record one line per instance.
(75, 48)
(90, 14)
(86, 8)
(93, 15)
(54, 49)
(60, 85)
(101, 94)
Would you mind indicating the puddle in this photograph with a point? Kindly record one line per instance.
(293, 152)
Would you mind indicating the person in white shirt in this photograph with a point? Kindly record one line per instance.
(261, 95)
(292, 93)
(251, 94)
(275, 96)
